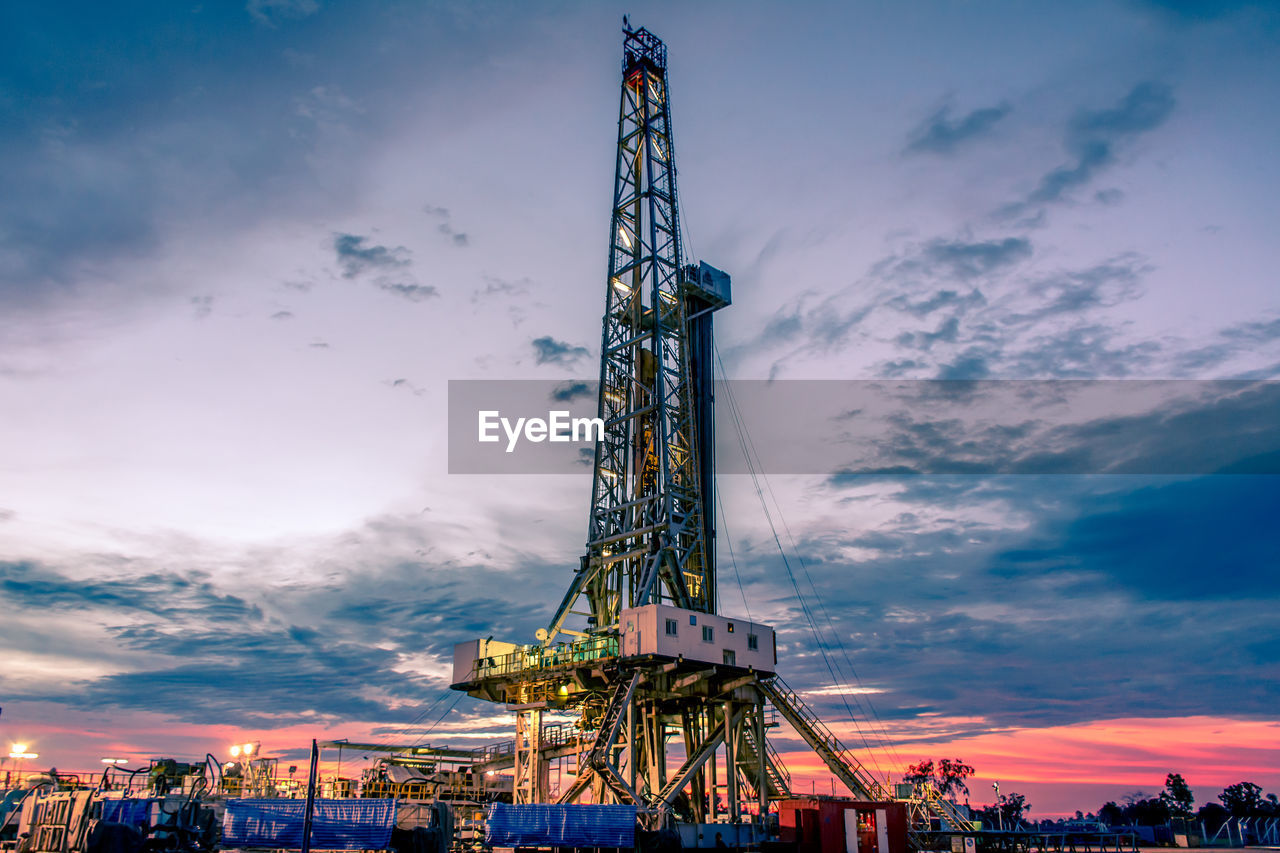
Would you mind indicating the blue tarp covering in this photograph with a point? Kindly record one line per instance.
(134, 812)
(335, 824)
(560, 826)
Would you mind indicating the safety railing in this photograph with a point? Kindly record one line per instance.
(535, 658)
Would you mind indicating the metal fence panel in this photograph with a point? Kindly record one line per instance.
(542, 825)
(336, 824)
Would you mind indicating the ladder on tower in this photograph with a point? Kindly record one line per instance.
(777, 777)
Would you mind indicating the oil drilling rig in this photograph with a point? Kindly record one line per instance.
(673, 699)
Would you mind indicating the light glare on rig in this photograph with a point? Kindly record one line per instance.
(245, 749)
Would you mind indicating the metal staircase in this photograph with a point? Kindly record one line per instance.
(838, 757)
(926, 800)
(777, 777)
(600, 759)
(942, 808)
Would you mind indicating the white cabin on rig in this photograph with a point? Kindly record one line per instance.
(664, 631)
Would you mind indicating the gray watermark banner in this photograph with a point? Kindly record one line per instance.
(861, 428)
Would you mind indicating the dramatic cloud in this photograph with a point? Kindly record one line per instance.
(548, 350)
(412, 292)
(968, 260)
(1077, 291)
(1012, 319)
(1058, 631)
(1230, 342)
(384, 651)
(940, 134)
(939, 299)
(1093, 135)
(457, 238)
(1147, 542)
(952, 259)
(569, 391)
(495, 287)
(166, 595)
(193, 173)
(1154, 427)
(355, 257)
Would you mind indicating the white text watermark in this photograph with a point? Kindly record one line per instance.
(558, 426)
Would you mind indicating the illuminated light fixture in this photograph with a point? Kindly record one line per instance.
(18, 747)
(612, 475)
(626, 238)
(245, 749)
(658, 148)
(617, 282)
(115, 761)
(16, 754)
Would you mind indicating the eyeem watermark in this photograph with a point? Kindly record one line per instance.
(852, 430)
(558, 426)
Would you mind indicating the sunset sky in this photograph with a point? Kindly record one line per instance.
(243, 249)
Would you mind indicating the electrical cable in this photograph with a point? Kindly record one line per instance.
(870, 710)
(733, 561)
(755, 469)
(445, 713)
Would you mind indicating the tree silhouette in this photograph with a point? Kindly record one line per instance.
(1177, 796)
(919, 773)
(1111, 814)
(1244, 799)
(951, 775)
(947, 775)
(1006, 811)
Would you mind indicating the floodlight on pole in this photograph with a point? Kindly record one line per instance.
(19, 750)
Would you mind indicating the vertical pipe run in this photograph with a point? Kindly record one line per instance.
(731, 762)
(763, 749)
(311, 798)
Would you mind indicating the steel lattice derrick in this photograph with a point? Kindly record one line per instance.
(646, 536)
(667, 717)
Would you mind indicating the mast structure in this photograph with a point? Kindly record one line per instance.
(651, 520)
(672, 699)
